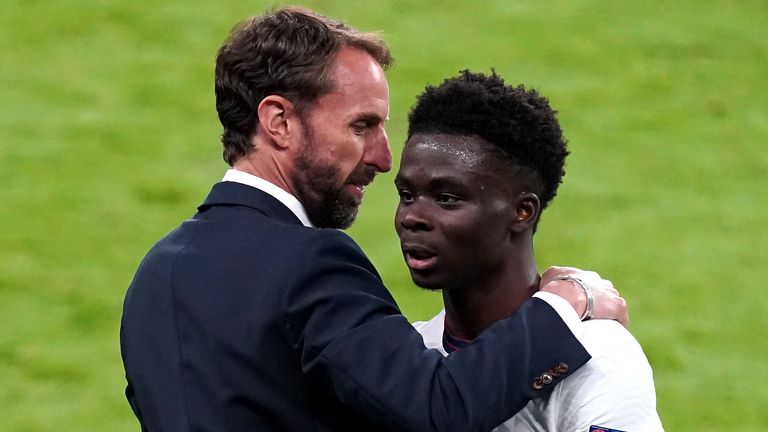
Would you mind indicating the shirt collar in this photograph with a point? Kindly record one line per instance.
(288, 200)
(452, 343)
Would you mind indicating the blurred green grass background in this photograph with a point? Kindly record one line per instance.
(109, 138)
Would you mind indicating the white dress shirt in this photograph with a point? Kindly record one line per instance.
(290, 201)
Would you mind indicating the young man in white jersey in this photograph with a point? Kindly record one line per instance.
(482, 161)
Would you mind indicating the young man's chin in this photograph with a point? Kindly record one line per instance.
(425, 283)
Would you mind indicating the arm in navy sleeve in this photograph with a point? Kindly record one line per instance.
(354, 341)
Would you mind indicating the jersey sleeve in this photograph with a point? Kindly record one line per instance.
(614, 390)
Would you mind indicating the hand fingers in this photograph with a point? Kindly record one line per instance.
(601, 285)
(609, 304)
(624, 319)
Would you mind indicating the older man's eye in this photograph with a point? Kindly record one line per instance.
(359, 128)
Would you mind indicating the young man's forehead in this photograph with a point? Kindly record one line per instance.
(466, 149)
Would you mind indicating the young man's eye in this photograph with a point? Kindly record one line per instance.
(447, 199)
(405, 196)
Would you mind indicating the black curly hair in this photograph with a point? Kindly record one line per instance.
(516, 120)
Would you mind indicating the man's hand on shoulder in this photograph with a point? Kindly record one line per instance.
(607, 303)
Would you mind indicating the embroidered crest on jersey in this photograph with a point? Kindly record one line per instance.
(595, 428)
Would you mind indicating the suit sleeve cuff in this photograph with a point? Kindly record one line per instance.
(565, 311)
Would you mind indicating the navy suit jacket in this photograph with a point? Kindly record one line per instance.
(243, 319)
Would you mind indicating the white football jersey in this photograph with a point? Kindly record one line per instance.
(614, 391)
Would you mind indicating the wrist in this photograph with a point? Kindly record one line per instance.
(576, 292)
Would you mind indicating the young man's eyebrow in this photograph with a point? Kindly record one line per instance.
(435, 183)
(445, 181)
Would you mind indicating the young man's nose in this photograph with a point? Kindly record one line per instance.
(415, 217)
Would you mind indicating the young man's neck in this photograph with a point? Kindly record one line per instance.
(471, 310)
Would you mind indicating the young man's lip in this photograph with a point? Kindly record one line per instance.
(420, 264)
(418, 257)
(415, 248)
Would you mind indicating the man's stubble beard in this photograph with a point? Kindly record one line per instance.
(320, 190)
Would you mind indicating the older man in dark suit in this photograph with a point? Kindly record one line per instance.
(253, 316)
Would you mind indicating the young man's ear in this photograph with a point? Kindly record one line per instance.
(527, 211)
(277, 117)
